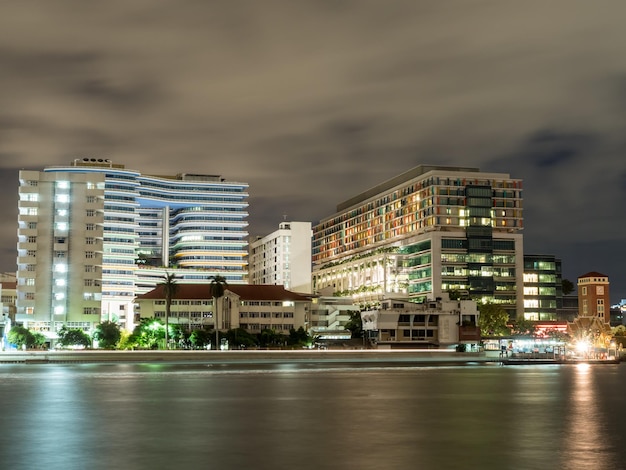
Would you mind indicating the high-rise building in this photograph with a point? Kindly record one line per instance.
(593, 296)
(543, 289)
(430, 230)
(283, 257)
(93, 234)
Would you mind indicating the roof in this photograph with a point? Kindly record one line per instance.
(244, 291)
(592, 274)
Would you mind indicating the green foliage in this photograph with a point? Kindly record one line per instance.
(149, 333)
(269, 338)
(239, 337)
(218, 286)
(199, 339)
(299, 337)
(523, 327)
(107, 334)
(20, 336)
(355, 325)
(73, 337)
(493, 320)
(169, 289)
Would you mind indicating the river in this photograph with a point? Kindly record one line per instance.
(312, 416)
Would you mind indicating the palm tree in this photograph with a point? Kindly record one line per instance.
(218, 286)
(169, 289)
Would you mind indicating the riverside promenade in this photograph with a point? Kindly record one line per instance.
(363, 356)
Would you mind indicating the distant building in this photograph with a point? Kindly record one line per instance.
(430, 230)
(437, 323)
(251, 307)
(283, 257)
(93, 234)
(593, 296)
(543, 287)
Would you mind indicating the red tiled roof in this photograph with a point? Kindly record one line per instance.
(8, 285)
(592, 274)
(244, 291)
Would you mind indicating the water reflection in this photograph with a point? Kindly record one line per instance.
(310, 417)
(586, 439)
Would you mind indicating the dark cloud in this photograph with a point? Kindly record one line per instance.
(313, 102)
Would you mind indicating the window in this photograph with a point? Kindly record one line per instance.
(89, 268)
(88, 283)
(90, 227)
(91, 199)
(31, 253)
(32, 239)
(90, 240)
(32, 225)
(584, 290)
(89, 254)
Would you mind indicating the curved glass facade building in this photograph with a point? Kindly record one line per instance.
(115, 232)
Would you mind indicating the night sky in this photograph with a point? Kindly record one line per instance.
(312, 102)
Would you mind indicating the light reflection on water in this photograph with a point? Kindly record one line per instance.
(314, 416)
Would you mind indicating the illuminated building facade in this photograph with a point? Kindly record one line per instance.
(430, 230)
(593, 296)
(253, 308)
(543, 289)
(93, 234)
(283, 257)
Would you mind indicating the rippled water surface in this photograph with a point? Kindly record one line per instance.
(312, 416)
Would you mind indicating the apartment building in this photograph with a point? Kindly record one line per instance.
(94, 234)
(430, 230)
(543, 288)
(283, 257)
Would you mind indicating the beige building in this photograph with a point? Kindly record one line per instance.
(283, 257)
(436, 323)
(251, 307)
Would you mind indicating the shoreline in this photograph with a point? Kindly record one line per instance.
(244, 356)
(372, 356)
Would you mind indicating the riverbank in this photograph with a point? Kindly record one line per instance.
(373, 356)
(246, 356)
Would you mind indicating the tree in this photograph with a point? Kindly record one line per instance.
(169, 290)
(218, 286)
(239, 337)
(523, 327)
(299, 337)
(493, 320)
(73, 337)
(567, 286)
(148, 333)
(107, 334)
(200, 338)
(20, 337)
(355, 325)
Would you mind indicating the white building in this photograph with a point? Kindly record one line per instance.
(283, 257)
(437, 323)
(252, 307)
(93, 234)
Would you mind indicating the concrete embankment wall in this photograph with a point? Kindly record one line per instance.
(268, 356)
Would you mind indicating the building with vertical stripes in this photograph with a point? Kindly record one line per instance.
(92, 235)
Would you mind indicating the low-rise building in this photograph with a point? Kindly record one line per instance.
(438, 323)
(252, 307)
